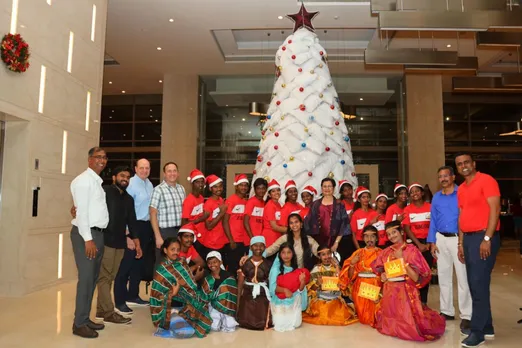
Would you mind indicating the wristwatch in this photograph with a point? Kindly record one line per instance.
(486, 238)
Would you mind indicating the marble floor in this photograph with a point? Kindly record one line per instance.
(44, 319)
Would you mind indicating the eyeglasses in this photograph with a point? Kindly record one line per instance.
(100, 157)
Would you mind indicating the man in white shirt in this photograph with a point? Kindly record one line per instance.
(92, 217)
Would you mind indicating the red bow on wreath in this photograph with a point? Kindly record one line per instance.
(14, 52)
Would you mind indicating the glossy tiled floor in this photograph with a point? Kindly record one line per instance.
(44, 319)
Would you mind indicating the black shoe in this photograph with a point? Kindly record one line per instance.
(115, 318)
(137, 302)
(84, 331)
(465, 324)
(448, 317)
(95, 326)
(124, 310)
(473, 340)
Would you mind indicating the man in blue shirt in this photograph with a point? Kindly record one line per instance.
(444, 244)
(132, 269)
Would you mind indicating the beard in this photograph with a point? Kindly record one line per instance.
(121, 186)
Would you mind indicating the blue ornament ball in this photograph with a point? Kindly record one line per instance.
(303, 145)
(258, 150)
(312, 117)
(343, 162)
(268, 117)
(346, 138)
(285, 165)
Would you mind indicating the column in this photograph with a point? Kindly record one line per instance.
(424, 128)
(179, 129)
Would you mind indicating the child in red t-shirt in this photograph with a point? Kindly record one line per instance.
(214, 237)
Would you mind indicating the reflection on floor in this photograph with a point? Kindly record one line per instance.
(44, 319)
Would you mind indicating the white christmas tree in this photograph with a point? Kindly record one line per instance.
(304, 137)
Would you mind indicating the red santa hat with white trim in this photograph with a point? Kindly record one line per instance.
(273, 184)
(360, 190)
(290, 184)
(399, 186)
(415, 184)
(342, 182)
(240, 179)
(381, 195)
(213, 180)
(311, 190)
(190, 228)
(195, 175)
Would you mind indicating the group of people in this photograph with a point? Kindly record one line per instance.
(256, 263)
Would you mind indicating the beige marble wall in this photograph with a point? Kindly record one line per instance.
(29, 246)
(179, 124)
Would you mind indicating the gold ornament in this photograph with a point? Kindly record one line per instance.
(331, 133)
(321, 95)
(291, 158)
(321, 65)
(283, 85)
(280, 68)
(267, 178)
(331, 175)
(271, 129)
(306, 129)
(329, 85)
(274, 94)
(312, 71)
(264, 137)
(282, 117)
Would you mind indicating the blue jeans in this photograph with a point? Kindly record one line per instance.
(479, 279)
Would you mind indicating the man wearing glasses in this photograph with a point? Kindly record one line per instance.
(92, 217)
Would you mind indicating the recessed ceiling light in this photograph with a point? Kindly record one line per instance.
(123, 92)
(336, 17)
(155, 120)
(226, 105)
(243, 120)
(110, 82)
(361, 99)
(160, 81)
(448, 46)
(362, 118)
(150, 110)
(447, 118)
(171, 20)
(158, 48)
(279, 17)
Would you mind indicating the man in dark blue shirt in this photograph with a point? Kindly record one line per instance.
(444, 244)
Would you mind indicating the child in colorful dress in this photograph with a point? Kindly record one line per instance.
(174, 280)
(221, 290)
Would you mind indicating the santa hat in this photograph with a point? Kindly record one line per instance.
(190, 228)
(240, 178)
(360, 190)
(381, 195)
(310, 190)
(342, 182)
(273, 184)
(195, 175)
(290, 184)
(415, 184)
(213, 180)
(399, 186)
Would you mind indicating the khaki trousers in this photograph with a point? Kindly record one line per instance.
(109, 268)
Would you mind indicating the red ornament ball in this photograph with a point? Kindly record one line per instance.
(289, 41)
(300, 70)
(269, 163)
(302, 107)
(310, 174)
(276, 134)
(254, 172)
(336, 123)
(283, 48)
(321, 53)
(301, 89)
(259, 158)
(293, 56)
(332, 107)
(279, 103)
(327, 148)
(344, 150)
(262, 132)
(353, 174)
(276, 147)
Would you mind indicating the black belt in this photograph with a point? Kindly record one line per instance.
(449, 234)
(97, 229)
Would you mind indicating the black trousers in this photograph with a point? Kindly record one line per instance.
(346, 248)
(231, 257)
(429, 259)
(131, 269)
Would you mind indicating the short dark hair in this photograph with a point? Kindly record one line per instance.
(464, 153)
(260, 182)
(328, 179)
(371, 228)
(168, 164)
(449, 168)
(95, 149)
(120, 169)
(393, 224)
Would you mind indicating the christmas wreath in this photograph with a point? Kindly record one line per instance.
(15, 52)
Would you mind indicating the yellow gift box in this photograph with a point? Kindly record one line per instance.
(369, 291)
(330, 284)
(395, 268)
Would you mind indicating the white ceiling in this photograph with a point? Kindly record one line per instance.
(203, 32)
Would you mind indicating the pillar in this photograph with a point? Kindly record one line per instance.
(179, 128)
(424, 128)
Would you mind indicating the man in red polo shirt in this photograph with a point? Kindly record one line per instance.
(479, 206)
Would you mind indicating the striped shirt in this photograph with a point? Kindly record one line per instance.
(168, 201)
